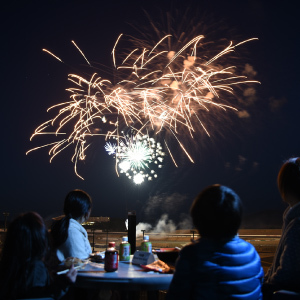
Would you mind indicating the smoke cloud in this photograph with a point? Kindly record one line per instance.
(243, 114)
(164, 204)
(142, 226)
(165, 225)
(276, 103)
(249, 71)
(250, 95)
(242, 164)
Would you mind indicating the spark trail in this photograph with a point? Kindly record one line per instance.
(160, 92)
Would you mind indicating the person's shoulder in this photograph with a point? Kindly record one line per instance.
(189, 247)
(75, 229)
(237, 246)
(241, 242)
(234, 245)
(296, 221)
(293, 228)
(197, 246)
(240, 252)
(74, 225)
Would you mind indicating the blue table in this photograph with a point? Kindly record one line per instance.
(127, 277)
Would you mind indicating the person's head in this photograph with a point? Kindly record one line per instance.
(217, 212)
(27, 237)
(288, 181)
(26, 241)
(78, 205)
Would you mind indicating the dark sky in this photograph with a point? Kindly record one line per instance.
(243, 153)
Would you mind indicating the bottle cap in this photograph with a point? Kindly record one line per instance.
(111, 244)
(146, 237)
(125, 239)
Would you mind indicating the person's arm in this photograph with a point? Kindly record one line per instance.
(40, 284)
(180, 287)
(271, 268)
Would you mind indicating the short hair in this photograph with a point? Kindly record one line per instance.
(288, 179)
(217, 212)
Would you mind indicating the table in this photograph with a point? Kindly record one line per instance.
(127, 277)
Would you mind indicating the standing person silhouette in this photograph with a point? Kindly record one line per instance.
(284, 272)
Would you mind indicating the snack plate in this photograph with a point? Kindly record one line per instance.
(97, 257)
(79, 264)
(158, 266)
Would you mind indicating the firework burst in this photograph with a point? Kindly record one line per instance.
(138, 157)
(160, 91)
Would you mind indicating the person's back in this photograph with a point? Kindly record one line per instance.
(284, 272)
(77, 243)
(70, 239)
(219, 265)
(217, 270)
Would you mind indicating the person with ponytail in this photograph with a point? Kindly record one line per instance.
(69, 237)
(24, 271)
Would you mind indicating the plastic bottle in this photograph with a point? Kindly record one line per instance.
(146, 245)
(111, 262)
(124, 252)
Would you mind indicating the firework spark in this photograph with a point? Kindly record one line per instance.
(161, 92)
(137, 156)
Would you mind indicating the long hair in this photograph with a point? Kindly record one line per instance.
(288, 179)
(77, 204)
(26, 241)
(217, 212)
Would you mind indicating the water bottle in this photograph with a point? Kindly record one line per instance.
(146, 246)
(124, 252)
(111, 262)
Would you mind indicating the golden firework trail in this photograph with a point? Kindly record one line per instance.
(160, 92)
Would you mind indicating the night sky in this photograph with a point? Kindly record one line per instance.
(242, 153)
